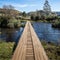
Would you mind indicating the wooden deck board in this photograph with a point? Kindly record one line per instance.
(29, 46)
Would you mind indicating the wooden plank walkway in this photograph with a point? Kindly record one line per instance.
(29, 46)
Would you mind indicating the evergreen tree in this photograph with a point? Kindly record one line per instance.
(46, 7)
(24, 14)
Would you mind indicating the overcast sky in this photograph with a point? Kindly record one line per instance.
(31, 5)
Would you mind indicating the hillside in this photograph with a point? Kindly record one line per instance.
(39, 13)
(12, 12)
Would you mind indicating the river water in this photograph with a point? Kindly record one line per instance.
(43, 30)
(11, 34)
(46, 32)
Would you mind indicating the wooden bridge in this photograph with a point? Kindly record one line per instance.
(29, 46)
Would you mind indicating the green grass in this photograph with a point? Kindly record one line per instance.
(0, 32)
(52, 50)
(6, 49)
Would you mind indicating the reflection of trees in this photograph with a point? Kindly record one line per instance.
(8, 34)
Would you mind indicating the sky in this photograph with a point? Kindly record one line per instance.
(31, 5)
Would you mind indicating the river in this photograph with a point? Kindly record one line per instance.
(46, 32)
(11, 34)
(43, 30)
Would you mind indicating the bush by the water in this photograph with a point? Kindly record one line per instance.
(8, 22)
(56, 24)
(44, 17)
(4, 21)
(13, 23)
(6, 49)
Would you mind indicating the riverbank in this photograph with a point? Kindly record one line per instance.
(6, 49)
(6, 22)
(56, 25)
(52, 50)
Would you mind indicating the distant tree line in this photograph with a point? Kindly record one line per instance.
(43, 17)
(44, 14)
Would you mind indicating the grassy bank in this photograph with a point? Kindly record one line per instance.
(52, 50)
(6, 50)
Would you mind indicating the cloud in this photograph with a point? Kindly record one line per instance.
(32, 5)
(20, 5)
(24, 5)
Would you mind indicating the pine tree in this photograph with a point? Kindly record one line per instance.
(46, 7)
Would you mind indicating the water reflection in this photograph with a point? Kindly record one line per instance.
(46, 32)
(10, 34)
(43, 30)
